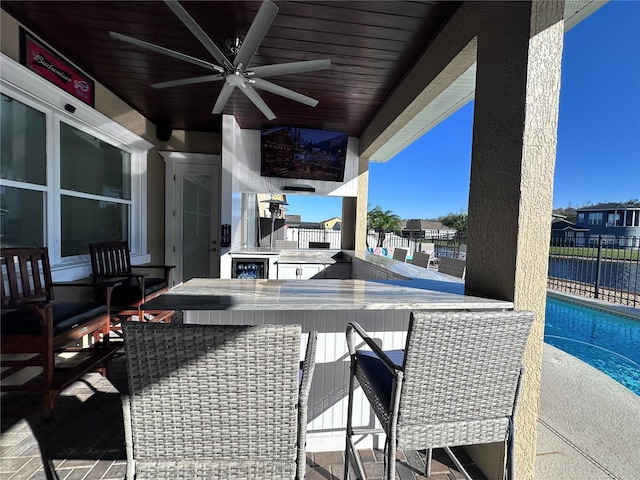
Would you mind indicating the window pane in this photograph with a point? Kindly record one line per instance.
(90, 165)
(23, 142)
(87, 221)
(21, 216)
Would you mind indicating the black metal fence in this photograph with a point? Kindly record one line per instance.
(306, 235)
(603, 267)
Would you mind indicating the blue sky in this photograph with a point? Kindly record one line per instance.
(598, 156)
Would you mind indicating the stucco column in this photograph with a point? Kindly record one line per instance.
(348, 231)
(513, 157)
(361, 205)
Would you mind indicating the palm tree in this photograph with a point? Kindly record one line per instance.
(383, 222)
(459, 221)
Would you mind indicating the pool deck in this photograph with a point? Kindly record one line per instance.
(588, 425)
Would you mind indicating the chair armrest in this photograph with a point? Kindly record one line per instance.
(100, 282)
(354, 326)
(30, 305)
(308, 365)
(167, 267)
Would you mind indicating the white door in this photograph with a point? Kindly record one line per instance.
(196, 222)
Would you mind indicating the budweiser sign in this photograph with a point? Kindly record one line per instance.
(41, 59)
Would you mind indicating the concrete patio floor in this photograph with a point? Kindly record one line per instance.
(588, 429)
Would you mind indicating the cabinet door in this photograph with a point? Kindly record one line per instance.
(308, 271)
(288, 272)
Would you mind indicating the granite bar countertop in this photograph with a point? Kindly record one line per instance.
(320, 256)
(438, 293)
(251, 251)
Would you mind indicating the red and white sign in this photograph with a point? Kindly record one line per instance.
(40, 59)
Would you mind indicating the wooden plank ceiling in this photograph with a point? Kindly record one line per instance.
(371, 44)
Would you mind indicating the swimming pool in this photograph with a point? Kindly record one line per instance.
(606, 341)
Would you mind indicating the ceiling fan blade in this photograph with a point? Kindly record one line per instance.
(257, 31)
(288, 68)
(284, 92)
(188, 81)
(225, 93)
(257, 101)
(166, 51)
(197, 31)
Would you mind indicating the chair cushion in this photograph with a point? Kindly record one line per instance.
(129, 292)
(380, 376)
(66, 316)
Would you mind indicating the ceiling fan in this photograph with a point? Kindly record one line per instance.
(235, 73)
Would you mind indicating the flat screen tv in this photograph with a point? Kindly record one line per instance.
(305, 153)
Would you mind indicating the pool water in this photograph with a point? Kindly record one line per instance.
(608, 342)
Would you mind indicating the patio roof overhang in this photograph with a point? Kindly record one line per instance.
(377, 50)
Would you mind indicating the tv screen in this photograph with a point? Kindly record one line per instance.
(304, 153)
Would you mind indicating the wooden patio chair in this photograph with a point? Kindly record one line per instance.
(36, 326)
(112, 260)
(455, 383)
(216, 401)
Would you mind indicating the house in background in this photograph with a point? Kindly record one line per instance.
(610, 220)
(416, 229)
(334, 223)
(565, 232)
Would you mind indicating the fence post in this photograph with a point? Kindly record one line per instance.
(598, 266)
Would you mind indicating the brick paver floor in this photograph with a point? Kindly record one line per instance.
(85, 440)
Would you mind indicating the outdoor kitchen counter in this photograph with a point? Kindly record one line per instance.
(382, 306)
(236, 294)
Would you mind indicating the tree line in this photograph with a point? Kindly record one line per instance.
(385, 221)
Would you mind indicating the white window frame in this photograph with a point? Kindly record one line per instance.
(26, 87)
(596, 218)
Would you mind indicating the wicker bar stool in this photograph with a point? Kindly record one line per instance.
(216, 401)
(455, 383)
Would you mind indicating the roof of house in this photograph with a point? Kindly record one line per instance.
(556, 222)
(609, 206)
(560, 224)
(418, 224)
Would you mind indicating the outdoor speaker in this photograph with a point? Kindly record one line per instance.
(164, 131)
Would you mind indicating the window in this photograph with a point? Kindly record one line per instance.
(632, 218)
(613, 220)
(95, 190)
(66, 180)
(595, 218)
(23, 173)
(94, 194)
(580, 218)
